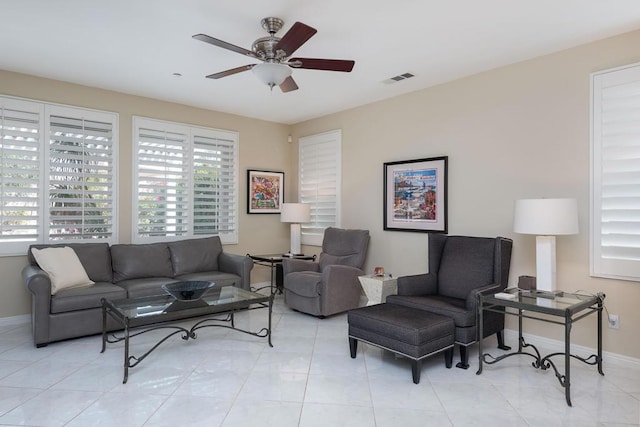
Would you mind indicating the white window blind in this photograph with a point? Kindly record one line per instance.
(215, 186)
(187, 181)
(81, 175)
(162, 170)
(20, 184)
(57, 174)
(320, 165)
(615, 170)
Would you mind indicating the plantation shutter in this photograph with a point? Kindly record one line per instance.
(187, 181)
(615, 203)
(319, 183)
(163, 195)
(20, 162)
(81, 175)
(214, 185)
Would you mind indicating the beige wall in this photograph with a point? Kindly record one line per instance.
(263, 145)
(520, 131)
(514, 132)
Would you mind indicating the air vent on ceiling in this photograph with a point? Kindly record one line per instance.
(398, 78)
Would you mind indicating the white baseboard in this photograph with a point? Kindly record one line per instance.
(260, 285)
(15, 320)
(557, 345)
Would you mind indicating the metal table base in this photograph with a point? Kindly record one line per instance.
(569, 314)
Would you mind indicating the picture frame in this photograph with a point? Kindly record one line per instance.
(415, 195)
(265, 191)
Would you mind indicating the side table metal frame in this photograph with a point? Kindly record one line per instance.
(570, 315)
(273, 262)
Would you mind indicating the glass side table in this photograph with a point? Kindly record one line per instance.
(274, 262)
(378, 288)
(543, 306)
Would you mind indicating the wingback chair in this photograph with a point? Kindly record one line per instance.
(330, 285)
(460, 268)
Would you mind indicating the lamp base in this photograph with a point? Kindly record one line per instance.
(295, 238)
(546, 263)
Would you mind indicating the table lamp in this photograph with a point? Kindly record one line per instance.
(546, 218)
(296, 214)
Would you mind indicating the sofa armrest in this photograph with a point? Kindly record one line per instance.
(290, 265)
(237, 264)
(38, 283)
(419, 284)
(472, 299)
(340, 288)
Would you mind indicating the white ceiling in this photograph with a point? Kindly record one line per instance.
(135, 46)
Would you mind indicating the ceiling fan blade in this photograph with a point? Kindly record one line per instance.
(230, 72)
(208, 39)
(288, 85)
(323, 64)
(297, 35)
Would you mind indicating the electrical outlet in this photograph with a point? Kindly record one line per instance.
(614, 321)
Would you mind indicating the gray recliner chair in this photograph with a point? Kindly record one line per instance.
(460, 268)
(330, 285)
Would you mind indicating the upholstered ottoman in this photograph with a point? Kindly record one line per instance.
(410, 332)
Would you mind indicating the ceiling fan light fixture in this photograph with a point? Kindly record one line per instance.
(271, 74)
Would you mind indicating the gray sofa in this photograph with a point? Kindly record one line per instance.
(122, 271)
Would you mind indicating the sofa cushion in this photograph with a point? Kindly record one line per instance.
(466, 264)
(344, 247)
(450, 307)
(144, 287)
(63, 267)
(195, 255)
(217, 277)
(303, 283)
(95, 258)
(85, 298)
(140, 261)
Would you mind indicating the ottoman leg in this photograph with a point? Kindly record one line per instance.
(448, 357)
(416, 367)
(353, 347)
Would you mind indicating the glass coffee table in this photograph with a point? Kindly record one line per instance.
(141, 315)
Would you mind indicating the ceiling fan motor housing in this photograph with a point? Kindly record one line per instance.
(265, 48)
(272, 25)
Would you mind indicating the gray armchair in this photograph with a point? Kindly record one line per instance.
(460, 268)
(330, 285)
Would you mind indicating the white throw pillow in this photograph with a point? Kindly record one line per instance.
(63, 266)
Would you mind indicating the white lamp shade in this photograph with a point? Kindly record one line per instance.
(271, 74)
(546, 217)
(295, 213)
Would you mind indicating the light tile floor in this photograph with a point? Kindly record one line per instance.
(226, 378)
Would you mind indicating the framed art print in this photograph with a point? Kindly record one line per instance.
(265, 191)
(415, 195)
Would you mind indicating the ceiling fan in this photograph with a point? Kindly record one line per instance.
(275, 54)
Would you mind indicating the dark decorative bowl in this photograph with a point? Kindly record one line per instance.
(187, 291)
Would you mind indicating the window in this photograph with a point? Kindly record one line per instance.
(187, 182)
(57, 174)
(615, 173)
(320, 165)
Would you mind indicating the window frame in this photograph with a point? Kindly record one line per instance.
(600, 265)
(326, 139)
(191, 133)
(45, 110)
